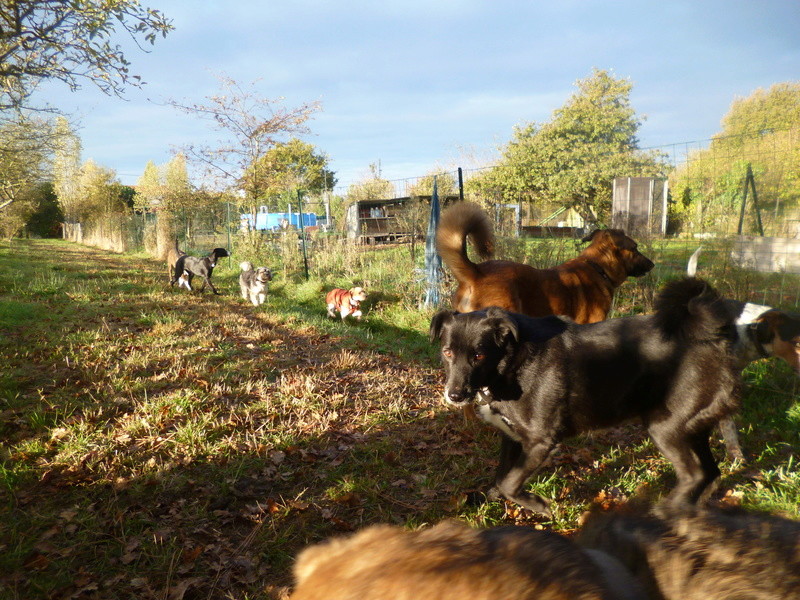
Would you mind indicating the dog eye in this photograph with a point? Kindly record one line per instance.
(479, 356)
(447, 352)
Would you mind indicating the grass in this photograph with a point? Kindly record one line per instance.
(157, 443)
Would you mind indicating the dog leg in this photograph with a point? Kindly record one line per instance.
(518, 463)
(206, 280)
(711, 472)
(730, 435)
(332, 310)
(695, 467)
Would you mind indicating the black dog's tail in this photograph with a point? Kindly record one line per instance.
(691, 309)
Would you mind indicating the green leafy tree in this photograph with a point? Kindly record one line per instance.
(167, 191)
(445, 184)
(66, 167)
(250, 125)
(289, 166)
(150, 188)
(25, 156)
(762, 132)
(71, 42)
(371, 187)
(100, 193)
(46, 220)
(573, 158)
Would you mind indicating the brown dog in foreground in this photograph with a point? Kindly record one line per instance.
(684, 553)
(453, 561)
(581, 288)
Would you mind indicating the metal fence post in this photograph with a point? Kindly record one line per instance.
(302, 231)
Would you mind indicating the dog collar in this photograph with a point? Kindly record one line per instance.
(752, 331)
(602, 272)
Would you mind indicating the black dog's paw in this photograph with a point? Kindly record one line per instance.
(479, 497)
(533, 503)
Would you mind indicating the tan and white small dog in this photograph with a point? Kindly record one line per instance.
(345, 302)
(254, 282)
(183, 280)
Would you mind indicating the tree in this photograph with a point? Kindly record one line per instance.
(70, 42)
(251, 125)
(371, 187)
(760, 131)
(149, 188)
(574, 157)
(47, 218)
(445, 184)
(100, 193)
(25, 145)
(66, 167)
(167, 191)
(290, 166)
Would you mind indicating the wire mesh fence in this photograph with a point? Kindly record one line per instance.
(738, 198)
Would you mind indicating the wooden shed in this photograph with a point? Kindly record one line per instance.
(380, 221)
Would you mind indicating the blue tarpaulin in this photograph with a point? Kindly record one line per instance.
(433, 262)
(272, 221)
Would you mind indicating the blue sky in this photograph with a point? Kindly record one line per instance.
(420, 84)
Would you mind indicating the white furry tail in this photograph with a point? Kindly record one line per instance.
(691, 267)
(246, 266)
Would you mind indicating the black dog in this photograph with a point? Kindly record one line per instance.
(541, 380)
(203, 267)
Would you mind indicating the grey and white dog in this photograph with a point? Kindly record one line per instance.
(254, 282)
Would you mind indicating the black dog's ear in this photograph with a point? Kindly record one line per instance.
(503, 325)
(438, 321)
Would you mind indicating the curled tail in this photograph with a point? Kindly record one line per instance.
(458, 222)
(246, 265)
(691, 309)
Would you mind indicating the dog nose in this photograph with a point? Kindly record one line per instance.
(455, 396)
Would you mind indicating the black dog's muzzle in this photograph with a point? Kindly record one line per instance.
(460, 398)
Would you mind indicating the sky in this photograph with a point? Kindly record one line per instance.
(418, 85)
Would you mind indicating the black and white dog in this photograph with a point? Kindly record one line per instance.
(761, 332)
(541, 380)
(188, 266)
(254, 282)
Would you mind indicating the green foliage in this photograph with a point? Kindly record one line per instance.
(46, 219)
(762, 131)
(251, 126)
(70, 42)
(25, 153)
(573, 158)
(446, 184)
(371, 187)
(290, 166)
(66, 167)
(100, 193)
